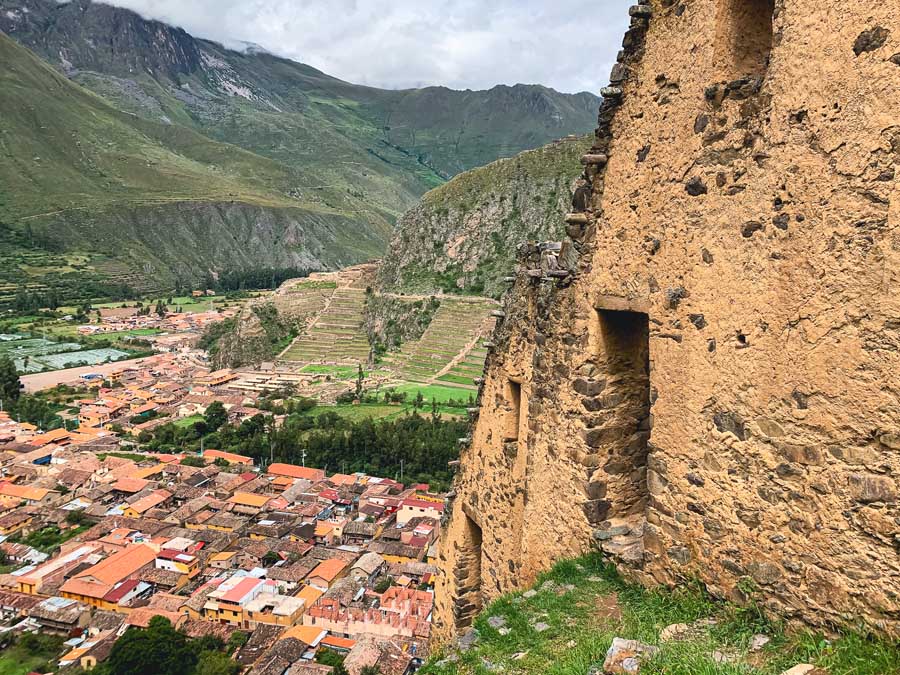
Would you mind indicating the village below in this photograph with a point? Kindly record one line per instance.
(260, 516)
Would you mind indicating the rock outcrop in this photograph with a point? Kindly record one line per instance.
(701, 378)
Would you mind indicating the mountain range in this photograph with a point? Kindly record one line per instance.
(136, 154)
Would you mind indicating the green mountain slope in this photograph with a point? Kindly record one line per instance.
(252, 98)
(145, 182)
(87, 189)
(462, 236)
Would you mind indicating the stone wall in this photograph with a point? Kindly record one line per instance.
(734, 235)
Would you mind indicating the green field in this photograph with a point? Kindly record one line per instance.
(337, 372)
(435, 392)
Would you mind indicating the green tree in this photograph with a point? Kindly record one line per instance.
(77, 518)
(237, 640)
(158, 650)
(360, 376)
(370, 670)
(10, 385)
(215, 416)
(329, 657)
(216, 663)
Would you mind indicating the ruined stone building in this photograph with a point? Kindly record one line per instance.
(704, 378)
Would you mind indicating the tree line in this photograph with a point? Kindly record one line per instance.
(418, 445)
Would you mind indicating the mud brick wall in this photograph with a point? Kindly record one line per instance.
(703, 378)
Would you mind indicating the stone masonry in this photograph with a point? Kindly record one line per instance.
(703, 379)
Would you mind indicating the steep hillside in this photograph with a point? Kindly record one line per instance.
(386, 146)
(117, 197)
(462, 236)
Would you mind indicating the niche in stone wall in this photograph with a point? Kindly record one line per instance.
(744, 37)
(468, 575)
(622, 421)
(513, 418)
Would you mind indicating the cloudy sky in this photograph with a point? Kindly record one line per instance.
(406, 43)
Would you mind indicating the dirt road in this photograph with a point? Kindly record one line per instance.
(51, 378)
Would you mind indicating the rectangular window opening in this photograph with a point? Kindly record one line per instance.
(468, 575)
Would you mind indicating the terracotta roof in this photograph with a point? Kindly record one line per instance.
(152, 500)
(328, 569)
(249, 499)
(97, 581)
(8, 489)
(229, 457)
(130, 484)
(310, 635)
(309, 595)
(146, 472)
(293, 471)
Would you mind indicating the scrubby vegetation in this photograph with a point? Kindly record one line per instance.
(566, 625)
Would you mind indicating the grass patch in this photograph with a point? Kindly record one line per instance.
(31, 653)
(436, 392)
(188, 421)
(337, 372)
(585, 604)
(123, 455)
(50, 538)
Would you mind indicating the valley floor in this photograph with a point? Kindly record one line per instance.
(566, 624)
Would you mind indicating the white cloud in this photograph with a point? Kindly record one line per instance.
(566, 44)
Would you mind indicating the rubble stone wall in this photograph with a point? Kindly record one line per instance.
(735, 235)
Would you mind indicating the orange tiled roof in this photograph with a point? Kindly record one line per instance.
(147, 471)
(97, 581)
(227, 456)
(23, 491)
(249, 499)
(152, 500)
(328, 569)
(130, 484)
(293, 471)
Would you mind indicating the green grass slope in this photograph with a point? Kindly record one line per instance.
(567, 623)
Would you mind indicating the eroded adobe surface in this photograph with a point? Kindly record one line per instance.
(703, 378)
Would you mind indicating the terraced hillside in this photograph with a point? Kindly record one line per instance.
(336, 334)
(450, 350)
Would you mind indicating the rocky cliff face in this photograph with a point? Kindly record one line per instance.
(707, 388)
(463, 236)
(391, 320)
